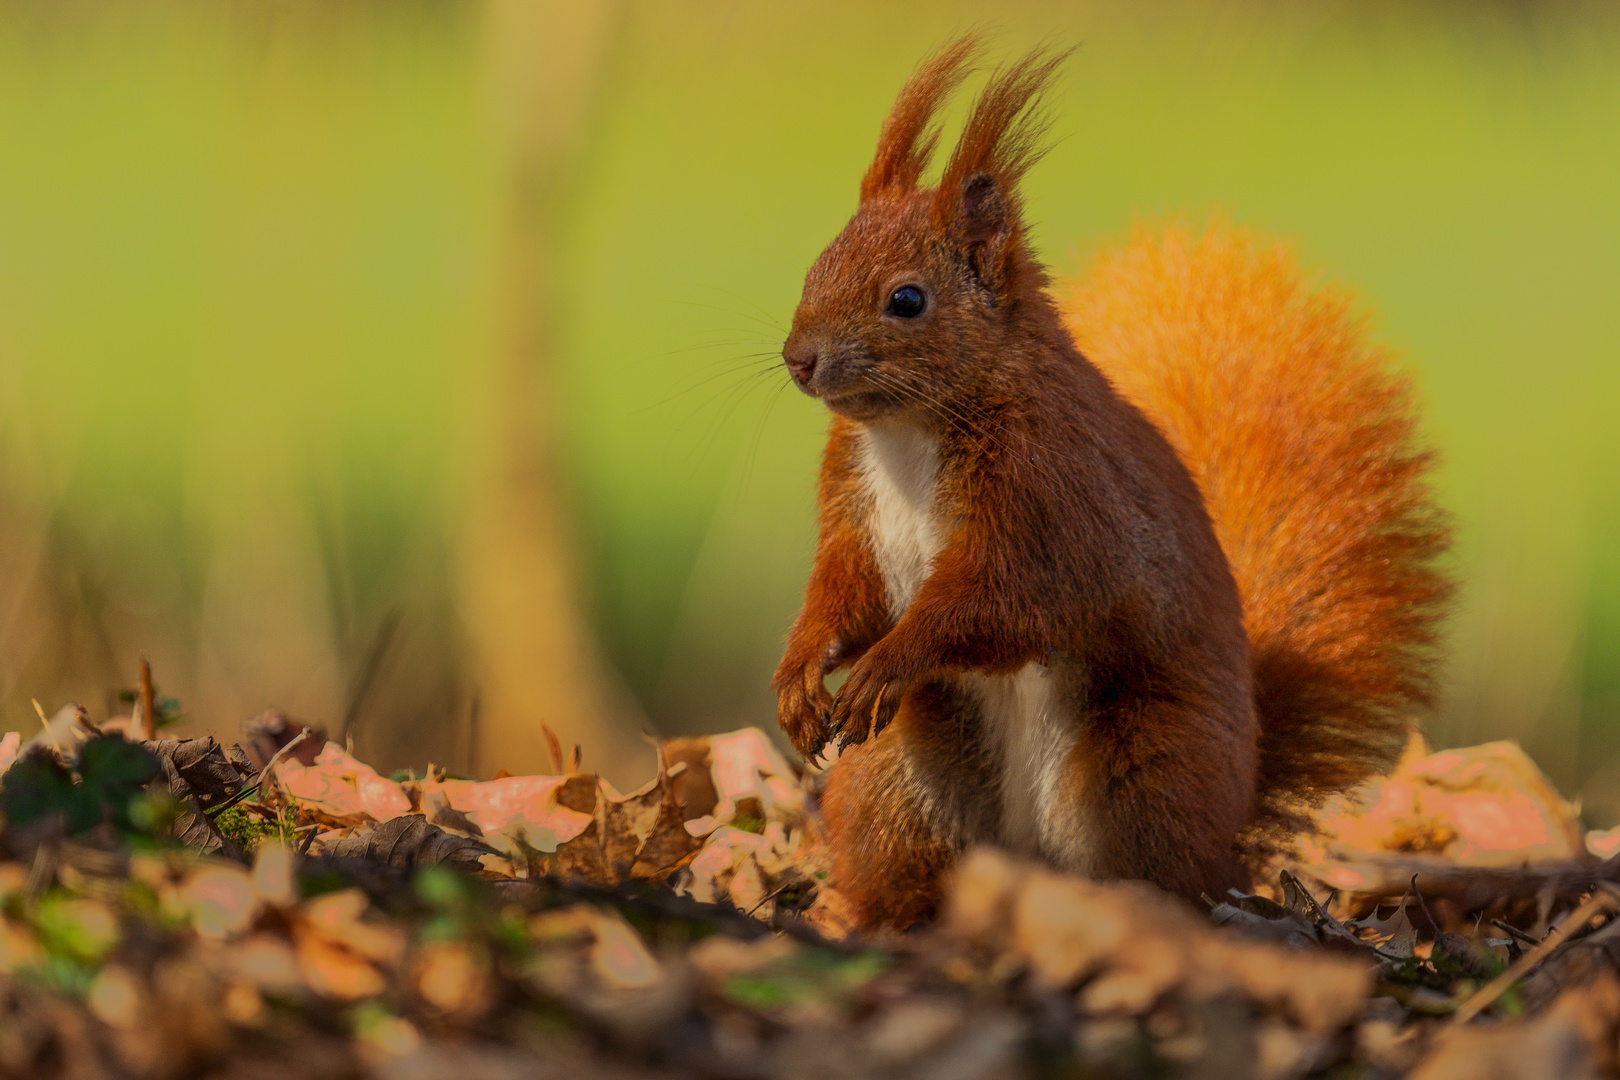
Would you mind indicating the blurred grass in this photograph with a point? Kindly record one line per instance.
(244, 252)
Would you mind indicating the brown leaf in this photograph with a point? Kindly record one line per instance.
(195, 772)
(624, 823)
(1059, 934)
(409, 842)
(437, 809)
(205, 770)
(268, 732)
(687, 763)
(1557, 1045)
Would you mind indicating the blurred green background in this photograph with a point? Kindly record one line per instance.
(390, 362)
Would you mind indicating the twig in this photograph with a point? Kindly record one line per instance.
(1515, 933)
(241, 793)
(1316, 908)
(277, 756)
(768, 897)
(148, 703)
(258, 781)
(1427, 914)
(1599, 903)
(47, 725)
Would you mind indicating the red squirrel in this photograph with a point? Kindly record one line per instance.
(1121, 584)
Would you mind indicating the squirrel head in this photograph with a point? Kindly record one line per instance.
(908, 308)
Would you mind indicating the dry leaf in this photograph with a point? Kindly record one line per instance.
(407, 843)
(10, 743)
(453, 977)
(220, 901)
(1486, 806)
(339, 790)
(745, 765)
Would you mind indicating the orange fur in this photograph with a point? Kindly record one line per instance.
(1301, 440)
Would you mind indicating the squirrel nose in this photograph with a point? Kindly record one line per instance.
(801, 360)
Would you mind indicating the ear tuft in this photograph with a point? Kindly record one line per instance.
(907, 140)
(978, 196)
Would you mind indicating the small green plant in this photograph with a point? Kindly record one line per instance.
(243, 828)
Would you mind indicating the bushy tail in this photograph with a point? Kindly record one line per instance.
(1301, 437)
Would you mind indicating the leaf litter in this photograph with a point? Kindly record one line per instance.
(278, 908)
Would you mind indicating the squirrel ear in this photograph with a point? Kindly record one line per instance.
(983, 224)
(977, 203)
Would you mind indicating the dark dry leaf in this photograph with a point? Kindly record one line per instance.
(409, 842)
(268, 732)
(436, 807)
(1463, 955)
(192, 827)
(1264, 919)
(203, 770)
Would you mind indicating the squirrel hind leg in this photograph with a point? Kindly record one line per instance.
(898, 809)
(1170, 784)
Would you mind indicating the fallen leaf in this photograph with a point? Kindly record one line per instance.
(339, 790)
(409, 842)
(619, 958)
(10, 742)
(453, 977)
(525, 807)
(220, 900)
(744, 764)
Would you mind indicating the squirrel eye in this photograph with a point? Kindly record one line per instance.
(907, 302)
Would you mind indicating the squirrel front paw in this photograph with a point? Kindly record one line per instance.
(868, 699)
(804, 707)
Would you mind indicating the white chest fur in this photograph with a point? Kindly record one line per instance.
(900, 467)
(1022, 712)
(1026, 722)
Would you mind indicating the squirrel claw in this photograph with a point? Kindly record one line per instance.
(803, 710)
(865, 705)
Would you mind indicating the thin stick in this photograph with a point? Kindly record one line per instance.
(277, 756)
(1597, 904)
(148, 715)
(1424, 905)
(1515, 933)
(768, 897)
(241, 793)
(46, 724)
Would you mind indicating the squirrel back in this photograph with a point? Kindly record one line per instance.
(1301, 439)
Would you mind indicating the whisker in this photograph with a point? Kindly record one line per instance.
(728, 402)
(721, 344)
(764, 319)
(759, 433)
(766, 316)
(748, 368)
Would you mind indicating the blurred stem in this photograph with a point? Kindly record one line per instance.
(534, 657)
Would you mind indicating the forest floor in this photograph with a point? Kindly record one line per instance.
(276, 908)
